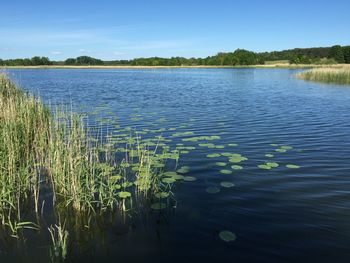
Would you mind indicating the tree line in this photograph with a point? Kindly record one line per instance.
(240, 57)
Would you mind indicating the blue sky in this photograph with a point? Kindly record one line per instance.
(127, 29)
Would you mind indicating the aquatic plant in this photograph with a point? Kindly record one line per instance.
(85, 169)
(327, 75)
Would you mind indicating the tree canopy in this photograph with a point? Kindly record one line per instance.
(334, 54)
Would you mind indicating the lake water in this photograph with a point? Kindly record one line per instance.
(278, 215)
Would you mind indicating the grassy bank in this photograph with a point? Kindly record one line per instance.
(339, 75)
(53, 157)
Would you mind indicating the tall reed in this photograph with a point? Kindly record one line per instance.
(327, 75)
(57, 150)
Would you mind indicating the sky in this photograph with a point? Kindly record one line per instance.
(112, 30)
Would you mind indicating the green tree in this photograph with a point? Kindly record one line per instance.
(336, 52)
(346, 52)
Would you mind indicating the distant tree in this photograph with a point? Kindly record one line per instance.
(85, 60)
(70, 61)
(1, 62)
(346, 52)
(336, 52)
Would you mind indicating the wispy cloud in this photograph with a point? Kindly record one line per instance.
(83, 50)
(55, 52)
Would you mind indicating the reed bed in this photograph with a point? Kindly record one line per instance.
(83, 170)
(328, 75)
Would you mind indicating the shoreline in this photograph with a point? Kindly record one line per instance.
(287, 66)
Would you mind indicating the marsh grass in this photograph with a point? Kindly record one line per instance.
(82, 168)
(327, 75)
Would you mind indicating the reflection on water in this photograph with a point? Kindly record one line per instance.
(264, 165)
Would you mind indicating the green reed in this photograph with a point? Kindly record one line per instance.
(83, 169)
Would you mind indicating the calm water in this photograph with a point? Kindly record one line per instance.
(278, 215)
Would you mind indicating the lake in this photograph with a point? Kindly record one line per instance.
(289, 201)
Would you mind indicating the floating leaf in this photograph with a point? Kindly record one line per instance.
(236, 167)
(227, 184)
(272, 164)
(124, 194)
(224, 171)
(232, 144)
(161, 195)
(220, 164)
(269, 155)
(212, 190)
(227, 236)
(183, 170)
(264, 166)
(280, 150)
(292, 166)
(213, 155)
(286, 147)
(189, 178)
(169, 180)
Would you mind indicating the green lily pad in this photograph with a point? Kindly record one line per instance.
(161, 195)
(272, 164)
(232, 144)
(227, 236)
(227, 184)
(212, 190)
(213, 155)
(292, 166)
(124, 194)
(286, 147)
(224, 171)
(264, 166)
(220, 164)
(183, 170)
(169, 180)
(189, 178)
(236, 167)
(280, 150)
(269, 155)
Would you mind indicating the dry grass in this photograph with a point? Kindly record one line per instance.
(338, 75)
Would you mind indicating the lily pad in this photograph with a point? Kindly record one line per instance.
(213, 155)
(168, 180)
(224, 171)
(236, 167)
(161, 195)
(280, 150)
(124, 194)
(189, 178)
(227, 184)
(227, 236)
(220, 164)
(269, 155)
(272, 164)
(183, 170)
(292, 166)
(232, 144)
(212, 190)
(264, 166)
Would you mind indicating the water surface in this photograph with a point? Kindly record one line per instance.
(278, 215)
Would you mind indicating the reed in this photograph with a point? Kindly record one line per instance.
(56, 150)
(327, 75)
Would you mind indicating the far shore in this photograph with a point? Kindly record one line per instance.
(282, 65)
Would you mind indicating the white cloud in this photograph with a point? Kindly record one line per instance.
(117, 53)
(82, 50)
(56, 52)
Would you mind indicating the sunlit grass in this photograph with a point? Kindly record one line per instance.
(327, 75)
